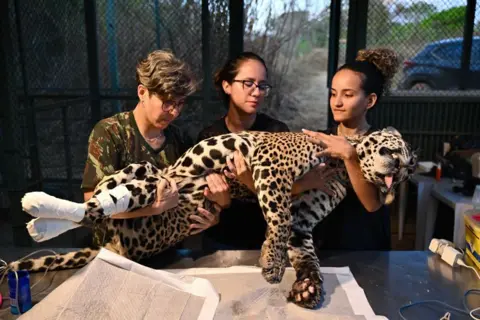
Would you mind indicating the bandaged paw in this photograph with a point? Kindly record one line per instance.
(43, 229)
(115, 200)
(41, 205)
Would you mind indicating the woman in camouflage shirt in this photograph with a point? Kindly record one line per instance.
(146, 134)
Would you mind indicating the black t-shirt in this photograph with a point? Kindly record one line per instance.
(351, 227)
(242, 225)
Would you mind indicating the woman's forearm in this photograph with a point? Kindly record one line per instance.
(138, 213)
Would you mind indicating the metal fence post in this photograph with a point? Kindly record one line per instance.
(28, 102)
(13, 172)
(206, 57)
(92, 50)
(357, 28)
(235, 28)
(333, 47)
(467, 44)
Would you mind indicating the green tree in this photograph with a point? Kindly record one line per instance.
(444, 24)
(415, 12)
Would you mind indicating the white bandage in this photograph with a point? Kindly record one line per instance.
(43, 229)
(41, 205)
(109, 207)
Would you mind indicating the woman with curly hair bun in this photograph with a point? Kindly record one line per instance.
(361, 221)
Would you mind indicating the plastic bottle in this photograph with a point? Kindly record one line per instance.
(24, 296)
(438, 172)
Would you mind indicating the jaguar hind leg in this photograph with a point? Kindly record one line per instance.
(56, 216)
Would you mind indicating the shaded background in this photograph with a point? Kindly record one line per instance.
(67, 64)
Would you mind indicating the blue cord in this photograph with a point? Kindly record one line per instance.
(466, 311)
(465, 304)
(430, 301)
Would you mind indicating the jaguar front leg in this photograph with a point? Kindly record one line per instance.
(307, 211)
(274, 197)
(307, 289)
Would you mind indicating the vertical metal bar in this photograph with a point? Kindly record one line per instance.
(333, 48)
(13, 172)
(235, 27)
(206, 61)
(357, 28)
(111, 27)
(29, 106)
(467, 44)
(334, 38)
(92, 51)
(157, 23)
(66, 147)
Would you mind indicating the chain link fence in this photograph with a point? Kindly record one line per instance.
(49, 40)
(428, 37)
(51, 113)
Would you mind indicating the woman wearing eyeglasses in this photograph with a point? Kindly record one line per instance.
(146, 134)
(243, 84)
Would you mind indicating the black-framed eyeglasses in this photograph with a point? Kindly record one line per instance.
(264, 88)
(169, 105)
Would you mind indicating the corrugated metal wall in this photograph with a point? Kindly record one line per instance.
(427, 121)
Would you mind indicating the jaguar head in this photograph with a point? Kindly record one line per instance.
(386, 161)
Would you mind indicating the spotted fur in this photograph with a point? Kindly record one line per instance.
(276, 161)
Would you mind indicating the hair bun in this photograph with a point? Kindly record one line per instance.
(384, 59)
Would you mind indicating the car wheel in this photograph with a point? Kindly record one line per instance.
(422, 86)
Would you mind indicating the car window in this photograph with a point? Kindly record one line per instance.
(449, 52)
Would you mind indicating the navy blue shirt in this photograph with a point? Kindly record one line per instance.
(351, 227)
(242, 225)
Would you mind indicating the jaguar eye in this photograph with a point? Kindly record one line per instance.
(385, 151)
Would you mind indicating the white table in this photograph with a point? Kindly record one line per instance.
(442, 191)
(424, 186)
(429, 193)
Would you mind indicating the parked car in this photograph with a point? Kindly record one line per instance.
(437, 66)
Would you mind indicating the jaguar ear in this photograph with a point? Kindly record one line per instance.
(393, 131)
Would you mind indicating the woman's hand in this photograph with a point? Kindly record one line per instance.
(207, 220)
(167, 195)
(339, 147)
(217, 190)
(167, 198)
(334, 146)
(218, 193)
(238, 170)
(316, 178)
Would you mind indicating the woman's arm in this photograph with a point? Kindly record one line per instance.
(339, 147)
(316, 178)
(167, 198)
(102, 160)
(366, 192)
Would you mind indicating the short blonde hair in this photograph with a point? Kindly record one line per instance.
(165, 75)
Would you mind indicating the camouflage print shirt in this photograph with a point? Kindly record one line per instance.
(116, 142)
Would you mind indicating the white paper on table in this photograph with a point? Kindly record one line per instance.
(243, 288)
(114, 287)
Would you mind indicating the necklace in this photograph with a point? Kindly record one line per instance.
(360, 132)
(155, 139)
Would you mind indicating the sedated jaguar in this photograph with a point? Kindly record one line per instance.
(276, 161)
